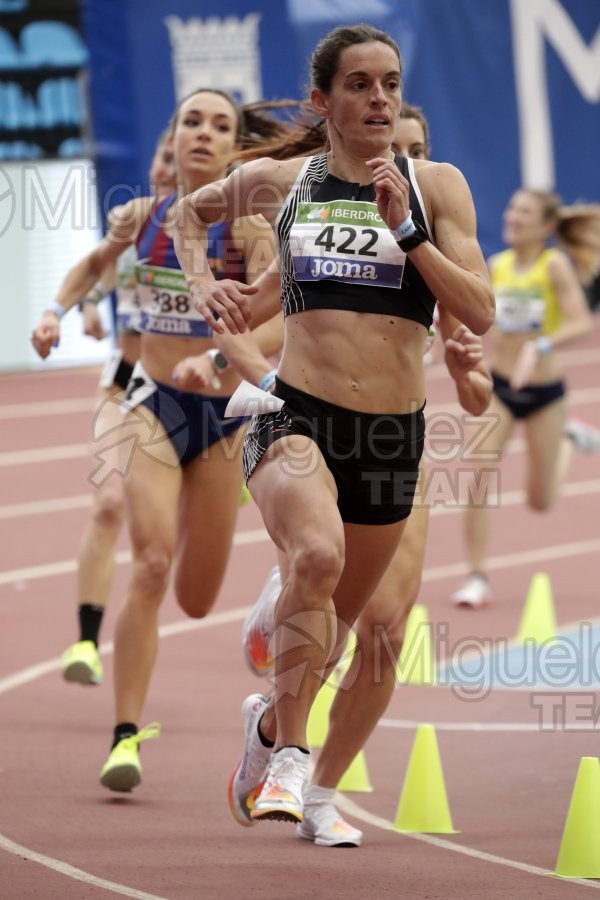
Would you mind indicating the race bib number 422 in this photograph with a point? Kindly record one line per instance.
(347, 241)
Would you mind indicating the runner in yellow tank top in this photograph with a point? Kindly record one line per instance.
(540, 307)
(525, 300)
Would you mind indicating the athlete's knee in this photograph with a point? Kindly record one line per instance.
(109, 510)
(317, 566)
(152, 565)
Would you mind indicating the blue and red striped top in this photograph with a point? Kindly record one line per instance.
(156, 247)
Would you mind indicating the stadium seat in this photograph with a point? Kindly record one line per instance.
(11, 106)
(52, 44)
(20, 150)
(70, 99)
(72, 148)
(59, 102)
(10, 55)
(49, 104)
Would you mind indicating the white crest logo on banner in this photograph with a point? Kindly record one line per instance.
(216, 53)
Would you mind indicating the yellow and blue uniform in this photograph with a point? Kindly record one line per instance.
(526, 303)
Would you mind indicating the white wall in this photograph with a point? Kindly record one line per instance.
(49, 219)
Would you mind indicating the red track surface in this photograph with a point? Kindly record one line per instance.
(63, 836)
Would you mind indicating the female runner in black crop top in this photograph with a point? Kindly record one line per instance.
(352, 380)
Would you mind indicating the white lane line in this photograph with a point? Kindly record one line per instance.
(44, 454)
(84, 501)
(39, 507)
(48, 408)
(515, 498)
(543, 554)
(436, 372)
(510, 498)
(71, 872)
(25, 676)
(353, 809)
(344, 803)
(32, 673)
(260, 535)
(581, 397)
(31, 573)
(80, 451)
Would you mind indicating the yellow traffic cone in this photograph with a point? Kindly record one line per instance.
(318, 719)
(356, 777)
(416, 664)
(579, 854)
(538, 622)
(423, 805)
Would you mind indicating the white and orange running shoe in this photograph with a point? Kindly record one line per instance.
(259, 626)
(322, 823)
(281, 794)
(249, 774)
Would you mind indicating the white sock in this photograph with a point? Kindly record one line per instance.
(314, 793)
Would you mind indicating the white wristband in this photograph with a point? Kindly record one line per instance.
(268, 380)
(58, 310)
(406, 228)
(543, 345)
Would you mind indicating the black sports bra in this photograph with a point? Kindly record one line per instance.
(337, 252)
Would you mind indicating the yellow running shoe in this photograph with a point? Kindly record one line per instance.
(81, 663)
(122, 771)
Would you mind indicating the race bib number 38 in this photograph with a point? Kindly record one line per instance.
(165, 305)
(345, 240)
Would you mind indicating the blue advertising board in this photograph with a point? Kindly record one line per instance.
(510, 87)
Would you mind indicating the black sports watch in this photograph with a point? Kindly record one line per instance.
(419, 236)
(220, 361)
